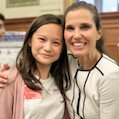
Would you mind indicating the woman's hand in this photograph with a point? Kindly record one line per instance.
(3, 77)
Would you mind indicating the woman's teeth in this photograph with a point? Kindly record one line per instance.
(79, 44)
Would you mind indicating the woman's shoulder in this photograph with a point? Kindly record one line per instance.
(107, 65)
(109, 60)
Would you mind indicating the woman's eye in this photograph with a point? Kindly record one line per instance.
(85, 27)
(69, 28)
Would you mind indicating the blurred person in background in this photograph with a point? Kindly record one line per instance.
(2, 26)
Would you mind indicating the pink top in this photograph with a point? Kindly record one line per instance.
(12, 97)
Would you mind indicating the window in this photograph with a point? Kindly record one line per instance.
(111, 5)
(104, 5)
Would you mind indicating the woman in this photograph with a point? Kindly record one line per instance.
(35, 89)
(95, 76)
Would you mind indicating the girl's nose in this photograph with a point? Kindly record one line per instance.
(47, 47)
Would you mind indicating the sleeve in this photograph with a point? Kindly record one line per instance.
(7, 95)
(109, 96)
(6, 102)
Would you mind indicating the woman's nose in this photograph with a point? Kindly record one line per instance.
(77, 33)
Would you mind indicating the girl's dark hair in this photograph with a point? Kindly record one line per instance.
(96, 18)
(25, 61)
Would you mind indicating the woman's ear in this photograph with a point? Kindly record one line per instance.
(99, 34)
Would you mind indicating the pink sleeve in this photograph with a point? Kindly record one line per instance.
(6, 102)
(11, 97)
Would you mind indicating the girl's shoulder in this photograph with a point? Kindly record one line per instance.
(11, 74)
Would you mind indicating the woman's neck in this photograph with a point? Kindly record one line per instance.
(88, 62)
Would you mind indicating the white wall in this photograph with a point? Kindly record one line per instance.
(46, 6)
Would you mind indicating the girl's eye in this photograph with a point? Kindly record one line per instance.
(42, 39)
(56, 43)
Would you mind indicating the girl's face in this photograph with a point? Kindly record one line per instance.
(80, 32)
(46, 44)
(2, 28)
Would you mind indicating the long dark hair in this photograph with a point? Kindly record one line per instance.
(26, 63)
(96, 18)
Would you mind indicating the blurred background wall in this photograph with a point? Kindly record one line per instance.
(20, 13)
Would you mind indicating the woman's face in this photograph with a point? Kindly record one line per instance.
(80, 32)
(46, 44)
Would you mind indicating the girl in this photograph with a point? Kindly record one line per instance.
(38, 82)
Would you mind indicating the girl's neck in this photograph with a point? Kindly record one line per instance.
(43, 72)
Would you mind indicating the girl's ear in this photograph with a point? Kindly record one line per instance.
(29, 43)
